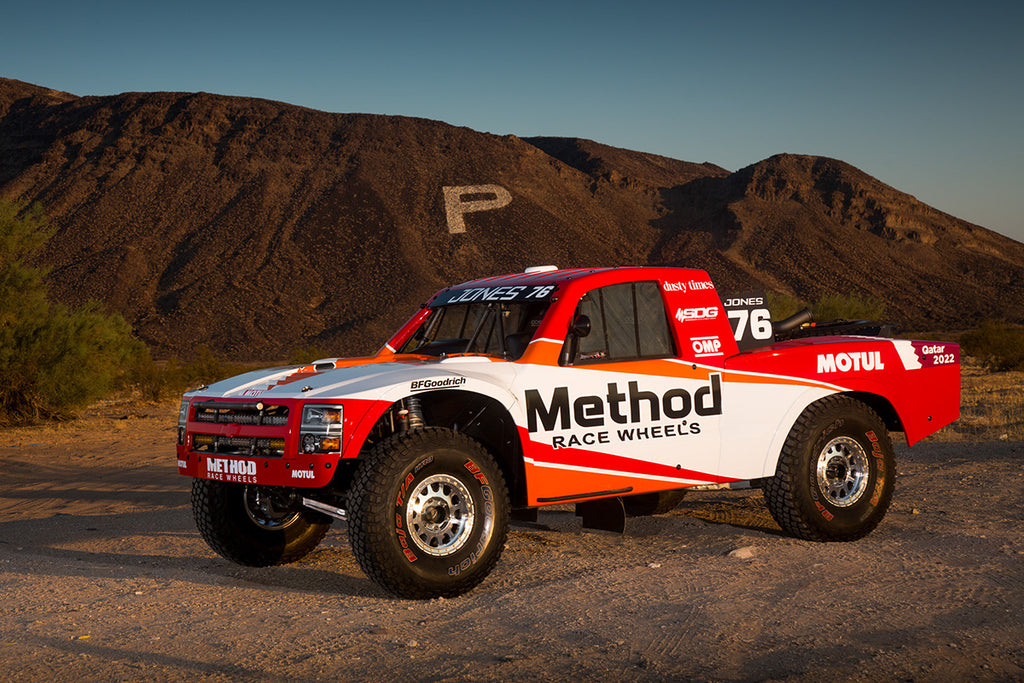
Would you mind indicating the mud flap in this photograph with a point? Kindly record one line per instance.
(605, 514)
(525, 516)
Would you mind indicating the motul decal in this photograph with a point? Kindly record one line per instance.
(850, 362)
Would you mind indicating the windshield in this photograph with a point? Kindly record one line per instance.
(497, 329)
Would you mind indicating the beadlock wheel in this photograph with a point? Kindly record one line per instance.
(270, 509)
(842, 471)
(440, 515)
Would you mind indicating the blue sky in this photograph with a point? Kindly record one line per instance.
(927, 97)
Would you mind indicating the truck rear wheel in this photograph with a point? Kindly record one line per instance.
(836, 473)
(256, 526)
(428, 514)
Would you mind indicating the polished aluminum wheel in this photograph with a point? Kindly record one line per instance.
(440, 515)
(843, 471)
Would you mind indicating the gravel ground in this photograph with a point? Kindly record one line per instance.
(104, 577)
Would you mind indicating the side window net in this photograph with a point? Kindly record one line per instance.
(627, 322)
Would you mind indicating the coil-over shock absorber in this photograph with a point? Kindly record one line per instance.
(410, 416)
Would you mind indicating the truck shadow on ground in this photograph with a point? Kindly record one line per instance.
(740, 509)
(164, 545)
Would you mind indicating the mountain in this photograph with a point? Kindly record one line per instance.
(255, 227)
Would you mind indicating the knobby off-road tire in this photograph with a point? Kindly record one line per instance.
(836, 473)
(428, 514)
(258, 526)
(657, 503)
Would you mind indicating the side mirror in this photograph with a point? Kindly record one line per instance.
(580, 326)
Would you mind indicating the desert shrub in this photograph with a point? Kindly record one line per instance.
(52, 359)
(303, 355)
(999, 345)
(782, 306)
(156, 380)
(847, 307)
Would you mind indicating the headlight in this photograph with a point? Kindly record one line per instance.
(182, 420)
(321, 429)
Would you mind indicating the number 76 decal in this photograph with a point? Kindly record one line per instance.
(760, 323)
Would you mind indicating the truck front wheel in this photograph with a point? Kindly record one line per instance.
(835, 476)
(258, 526)
(428, 514)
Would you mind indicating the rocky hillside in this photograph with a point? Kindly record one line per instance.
(255, 227)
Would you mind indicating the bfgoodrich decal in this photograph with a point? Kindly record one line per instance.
(436, 383)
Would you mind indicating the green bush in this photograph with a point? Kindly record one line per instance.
(782, 306)
(304, 355)
(52, 359)
(847, 307)
(828, 307)
(999, 345)
(155, 380)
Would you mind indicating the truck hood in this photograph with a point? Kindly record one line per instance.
(361, 378)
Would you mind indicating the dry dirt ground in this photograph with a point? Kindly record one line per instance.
(103, 576)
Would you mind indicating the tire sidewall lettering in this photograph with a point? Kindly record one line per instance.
(877, 459)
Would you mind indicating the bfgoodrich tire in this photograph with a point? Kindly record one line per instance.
(256, 526)
(835, 476)
(428, 514)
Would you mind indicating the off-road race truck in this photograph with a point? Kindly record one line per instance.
(615, 389)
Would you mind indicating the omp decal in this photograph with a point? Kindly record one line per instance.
(706, 346)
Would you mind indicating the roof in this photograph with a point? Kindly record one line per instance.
(541, 284)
